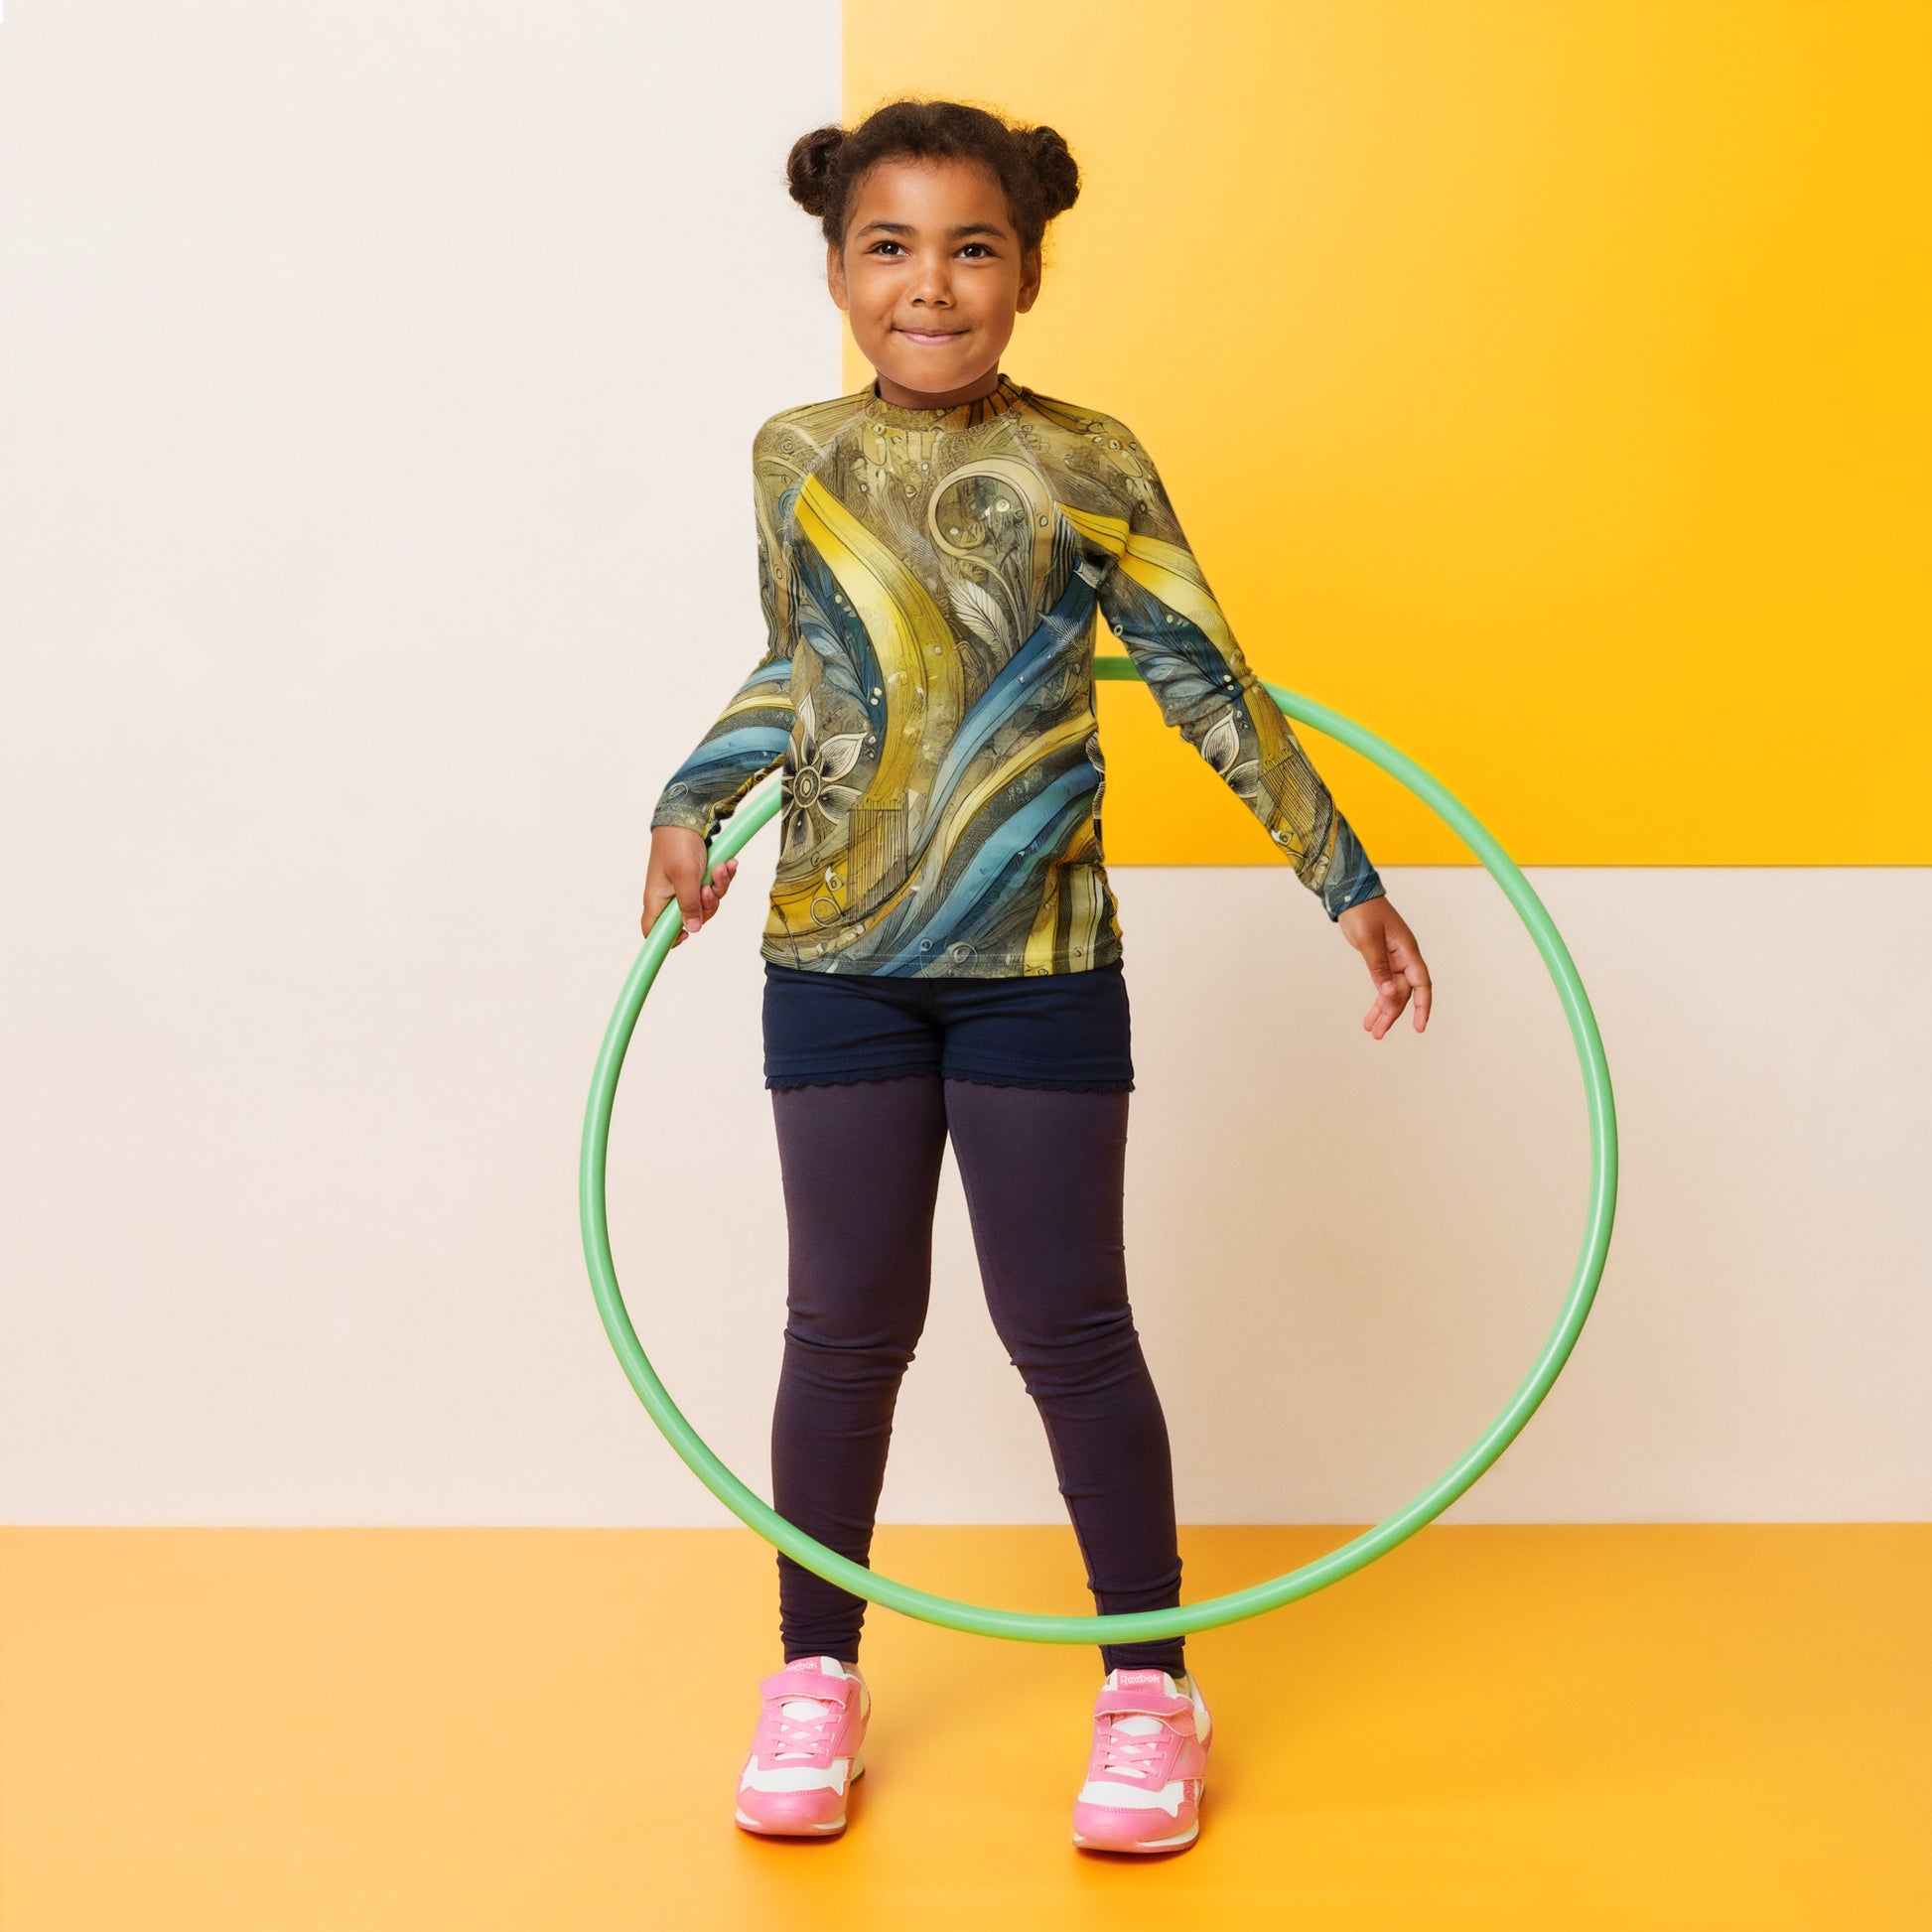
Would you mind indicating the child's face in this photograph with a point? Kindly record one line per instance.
(932, 277)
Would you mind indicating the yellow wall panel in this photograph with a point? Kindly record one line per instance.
(1544, 385)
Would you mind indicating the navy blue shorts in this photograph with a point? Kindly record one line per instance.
(1039, 1029)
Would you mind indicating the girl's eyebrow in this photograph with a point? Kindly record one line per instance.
(906, 227)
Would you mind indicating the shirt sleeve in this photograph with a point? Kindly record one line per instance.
(1156, 602)
(749, 736)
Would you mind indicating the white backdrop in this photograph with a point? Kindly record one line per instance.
(378, 537)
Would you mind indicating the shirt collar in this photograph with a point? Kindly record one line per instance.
(961, 415)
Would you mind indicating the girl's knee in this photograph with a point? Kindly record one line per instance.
(1093, 1353)
(848, 1352)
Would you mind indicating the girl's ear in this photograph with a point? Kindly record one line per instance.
(835, 273)
(1030, 277)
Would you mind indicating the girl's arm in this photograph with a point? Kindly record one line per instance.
(744, 742)
(1156, 602)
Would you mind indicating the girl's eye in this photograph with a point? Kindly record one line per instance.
(889, 242)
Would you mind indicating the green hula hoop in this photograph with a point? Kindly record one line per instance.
(1211, 1611)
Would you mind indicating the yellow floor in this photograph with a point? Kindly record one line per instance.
(1559, 1728)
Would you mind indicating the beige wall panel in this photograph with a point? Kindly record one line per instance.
(369, 1306)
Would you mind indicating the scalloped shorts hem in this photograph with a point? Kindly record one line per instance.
(974, 1076)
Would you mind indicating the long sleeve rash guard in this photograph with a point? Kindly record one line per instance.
(930, 580)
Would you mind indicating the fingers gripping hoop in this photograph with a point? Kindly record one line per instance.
(1142, 1625)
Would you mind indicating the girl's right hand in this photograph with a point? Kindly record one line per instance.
(676, 872)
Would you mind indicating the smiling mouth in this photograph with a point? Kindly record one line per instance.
(933, 334)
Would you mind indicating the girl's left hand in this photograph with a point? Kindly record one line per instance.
(1381, 935)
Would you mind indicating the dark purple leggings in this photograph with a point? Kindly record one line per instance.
(1042, 1170)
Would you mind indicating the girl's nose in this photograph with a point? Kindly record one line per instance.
(933, 283)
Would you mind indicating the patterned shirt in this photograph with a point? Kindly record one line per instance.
(930, 580)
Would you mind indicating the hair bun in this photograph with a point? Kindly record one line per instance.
(1058, 173)
(809, 167)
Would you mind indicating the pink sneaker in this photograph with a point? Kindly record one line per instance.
(805, 1749)
(1148, 1769)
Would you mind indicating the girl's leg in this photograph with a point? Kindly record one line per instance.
(1043, 1171)
(861, 1166)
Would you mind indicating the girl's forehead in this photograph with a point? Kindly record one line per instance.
(936, 187)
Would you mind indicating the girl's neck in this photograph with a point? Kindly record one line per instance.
(985, 400)
(902, 397)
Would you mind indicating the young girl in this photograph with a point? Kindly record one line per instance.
(942, 952)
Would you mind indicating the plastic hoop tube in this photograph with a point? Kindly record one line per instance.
(1141, 1625)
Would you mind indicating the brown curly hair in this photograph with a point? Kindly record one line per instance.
(1032, 164)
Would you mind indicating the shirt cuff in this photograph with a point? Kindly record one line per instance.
(1368, 889)
(693, 817)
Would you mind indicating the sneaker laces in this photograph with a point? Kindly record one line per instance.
(1133, 1744)
(801, 1728)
